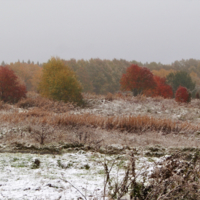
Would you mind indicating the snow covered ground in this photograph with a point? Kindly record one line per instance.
(84, 170)
(166, 108)
(19, 180)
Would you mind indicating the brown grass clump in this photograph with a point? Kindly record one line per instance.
(44, 104)
(109, 97)
(5, 106)
(140, 98)
(158, 98)
(119, 95)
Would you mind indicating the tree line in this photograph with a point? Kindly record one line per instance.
(105, 76)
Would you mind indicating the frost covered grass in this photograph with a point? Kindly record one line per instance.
(19, 180)
(111, 119)
(130, 123)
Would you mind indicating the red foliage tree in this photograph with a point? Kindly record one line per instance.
(137, 79)
(10, 88)
(182, 95)
(161, 89)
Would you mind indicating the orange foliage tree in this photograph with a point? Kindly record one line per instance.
(28, 73)
(182, 95)
(137, 79)
(161, 89)
(10, 88)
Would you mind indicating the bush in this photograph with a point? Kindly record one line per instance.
(10, 89)
(171, 178)
(59, 82)
(182, 95)
(161, 89)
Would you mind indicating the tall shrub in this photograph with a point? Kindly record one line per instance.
(182, 95)
(161, 89)
(10, 89)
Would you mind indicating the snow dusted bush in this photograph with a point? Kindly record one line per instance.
(182, 95)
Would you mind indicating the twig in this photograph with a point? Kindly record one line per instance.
(74, 187)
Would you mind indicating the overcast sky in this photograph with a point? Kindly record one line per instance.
(142, 30)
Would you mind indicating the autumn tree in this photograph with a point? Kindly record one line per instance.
(29, 74)
(137, 79)
(161, 89)
(84, 78)
(162, 72)
(195, 78)
(182, 95)
(59, 82)
(103, 76)
(10, 89)
(180, 78)
(99, 76)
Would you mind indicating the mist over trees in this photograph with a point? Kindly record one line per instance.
(103, 76)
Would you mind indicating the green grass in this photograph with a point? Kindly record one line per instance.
(19, 165)
(101, 171)
(15, 159)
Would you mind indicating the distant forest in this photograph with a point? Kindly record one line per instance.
(102, 76)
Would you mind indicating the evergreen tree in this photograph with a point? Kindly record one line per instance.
(181, 78)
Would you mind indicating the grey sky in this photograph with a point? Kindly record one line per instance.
(142, 30)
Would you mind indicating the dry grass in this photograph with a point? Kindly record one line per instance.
(133, 124)
(136, 124)
(70, 127)
(176, 179)
(173, 178)
(92, 96)
(127, 96)
(44, 104)
(25, 134)
(5, 106)
(109, 97)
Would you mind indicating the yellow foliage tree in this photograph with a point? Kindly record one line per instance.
(59, 82)
(163, 72)
(195, 78)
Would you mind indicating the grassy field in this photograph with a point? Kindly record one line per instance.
(76, 140)
(104, 120)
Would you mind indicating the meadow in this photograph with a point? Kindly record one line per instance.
(74, 145)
